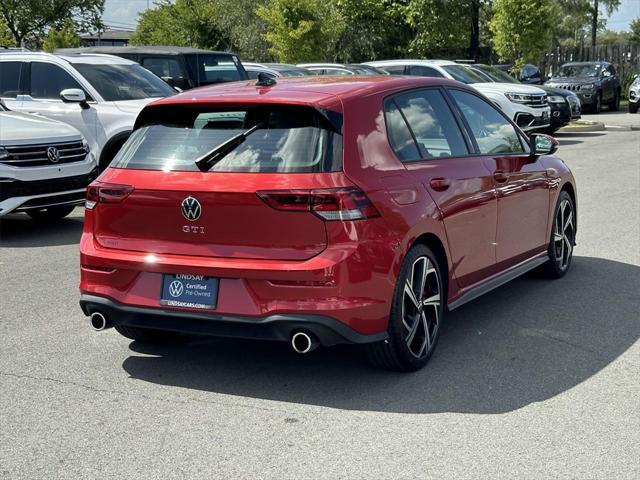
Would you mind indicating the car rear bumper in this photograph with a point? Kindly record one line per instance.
(277, 327)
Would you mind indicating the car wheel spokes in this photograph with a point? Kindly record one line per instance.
(563, 234)
(421, 307)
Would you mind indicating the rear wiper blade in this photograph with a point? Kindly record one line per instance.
(209, 159)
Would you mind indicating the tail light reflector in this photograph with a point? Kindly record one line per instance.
(99, 192)
(330, 204)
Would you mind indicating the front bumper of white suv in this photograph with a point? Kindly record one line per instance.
(30, 180)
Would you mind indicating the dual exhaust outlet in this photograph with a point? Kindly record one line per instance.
(301, 342)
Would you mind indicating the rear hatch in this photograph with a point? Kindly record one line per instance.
(247, 203)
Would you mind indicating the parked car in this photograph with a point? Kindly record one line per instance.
(342, 69)
(274, 70)
(634, 94)
(45, 166)
(564, 104)
(180, 67)
(326, 217)
(100, 95)
(526, 105)
(596, 83)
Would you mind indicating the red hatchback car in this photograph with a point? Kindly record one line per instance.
(320, 211)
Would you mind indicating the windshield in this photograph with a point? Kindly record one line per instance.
(123, 82)
(580, 70)
(495, 74)
(463, 74)
(287, 139)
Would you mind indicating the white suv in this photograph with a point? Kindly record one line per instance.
(44, 166)
(100, 95)
(526, 105)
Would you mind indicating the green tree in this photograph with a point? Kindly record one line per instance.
(185, 23)
(442, 27)
(244, 28)
(6, 39)
(62, 37)
(302, 30)
(30, 19)
(634, 29)
(521, 30)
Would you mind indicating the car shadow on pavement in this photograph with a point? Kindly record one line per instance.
(522, 343)
(19, 230)
(574, 138)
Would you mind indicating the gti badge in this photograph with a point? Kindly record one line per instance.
(53, 154)
(191, 209)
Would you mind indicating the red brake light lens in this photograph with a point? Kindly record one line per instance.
(330, 204)
(99, 192)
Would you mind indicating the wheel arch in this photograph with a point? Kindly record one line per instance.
(569, 188)
(433, 242)
(107, 154)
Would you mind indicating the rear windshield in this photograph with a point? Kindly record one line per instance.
(288, 139)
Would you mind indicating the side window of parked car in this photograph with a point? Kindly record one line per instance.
(48, 80)
(163, 67)
(10, 79)
(493, 133)
(395, 69)
(611, 69)
(336, 71)
(422, 71)
(432, 123)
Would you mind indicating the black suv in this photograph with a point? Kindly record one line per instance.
(181, 67)
(596, 83)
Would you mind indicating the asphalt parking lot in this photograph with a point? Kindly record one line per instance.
(537, 379)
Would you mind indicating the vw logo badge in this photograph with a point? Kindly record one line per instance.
(176, 288)
(53, 154)
(191, 209)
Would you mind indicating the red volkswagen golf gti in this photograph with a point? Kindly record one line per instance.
(320, 211)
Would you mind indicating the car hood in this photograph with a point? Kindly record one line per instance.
(557, 91)
(25, 129)
(499, 87)
(133, 106)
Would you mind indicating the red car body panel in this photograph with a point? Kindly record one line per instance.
(487, 213)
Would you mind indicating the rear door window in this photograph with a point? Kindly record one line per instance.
(422, 71)
(10, 79)
(493, 133)
(432, 123)
(288, 139)
(395, 69)
(163, 67)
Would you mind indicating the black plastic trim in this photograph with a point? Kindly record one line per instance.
(277, 327)
(499, 280)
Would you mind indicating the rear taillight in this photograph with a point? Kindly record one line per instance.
(331, 204)
(99, 192)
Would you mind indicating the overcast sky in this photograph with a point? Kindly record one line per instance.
(124, 13)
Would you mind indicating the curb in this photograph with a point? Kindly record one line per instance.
(595, 127)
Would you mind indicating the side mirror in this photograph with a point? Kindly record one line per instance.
(74, 95)
(542, 144)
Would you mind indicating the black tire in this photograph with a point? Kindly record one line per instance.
(562, 240)
(615, 103)
(407, 349)
(597, 106)
(110, 153)
(633, 107)
(51, 213)
(148, 335)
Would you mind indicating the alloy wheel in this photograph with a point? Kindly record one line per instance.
(564, 234)
(421, 307)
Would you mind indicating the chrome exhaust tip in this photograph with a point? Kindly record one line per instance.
(98, 321)
(302, 343)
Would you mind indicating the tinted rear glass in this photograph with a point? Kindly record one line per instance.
(289, 139)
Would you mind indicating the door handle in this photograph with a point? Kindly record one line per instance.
(439, 184)
(500, 176)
